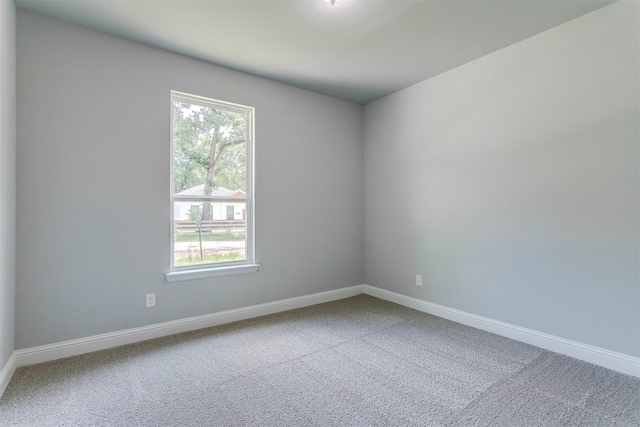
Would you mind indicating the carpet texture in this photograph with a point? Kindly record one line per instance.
(360, 361)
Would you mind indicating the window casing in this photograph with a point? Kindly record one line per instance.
(211, 176)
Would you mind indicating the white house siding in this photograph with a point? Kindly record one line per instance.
(181, 210)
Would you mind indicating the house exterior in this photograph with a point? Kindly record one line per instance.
(219, 211)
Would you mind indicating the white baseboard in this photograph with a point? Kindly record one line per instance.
(598, 356)
(45, 353)
(7, 372)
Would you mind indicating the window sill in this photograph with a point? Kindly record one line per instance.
(178, 276)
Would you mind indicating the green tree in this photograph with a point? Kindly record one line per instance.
(209, 147)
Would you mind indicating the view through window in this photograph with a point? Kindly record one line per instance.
(211, 182)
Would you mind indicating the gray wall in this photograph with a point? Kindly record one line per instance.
(511, 184)
(93, 186)
(7, 179)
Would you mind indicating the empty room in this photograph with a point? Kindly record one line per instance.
(319, 213)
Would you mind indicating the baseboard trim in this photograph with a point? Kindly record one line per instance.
(598, 356)
(609, 359)
(7, 372)
(45, 353)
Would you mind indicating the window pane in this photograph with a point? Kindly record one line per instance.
(211, 182)
(222, 238)
(209, 150)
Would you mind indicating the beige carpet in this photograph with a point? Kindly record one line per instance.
(355, 362)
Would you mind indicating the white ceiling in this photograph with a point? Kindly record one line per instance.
(358, 50)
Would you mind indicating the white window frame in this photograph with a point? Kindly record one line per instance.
(201, 271)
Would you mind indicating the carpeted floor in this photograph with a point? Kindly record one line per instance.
(354, 362)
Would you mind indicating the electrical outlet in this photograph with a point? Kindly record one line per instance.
(151, 300)
(418, 280)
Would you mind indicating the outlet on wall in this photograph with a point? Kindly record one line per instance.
(151, 300)
(418, 280)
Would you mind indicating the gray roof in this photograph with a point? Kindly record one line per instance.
(198, 190)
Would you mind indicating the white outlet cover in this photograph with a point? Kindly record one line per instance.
(151, 300)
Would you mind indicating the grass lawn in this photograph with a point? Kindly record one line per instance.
(208, 237)
(209, 259)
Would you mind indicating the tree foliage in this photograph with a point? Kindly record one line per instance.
(209, 147)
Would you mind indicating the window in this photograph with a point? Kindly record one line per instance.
(211, 180)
